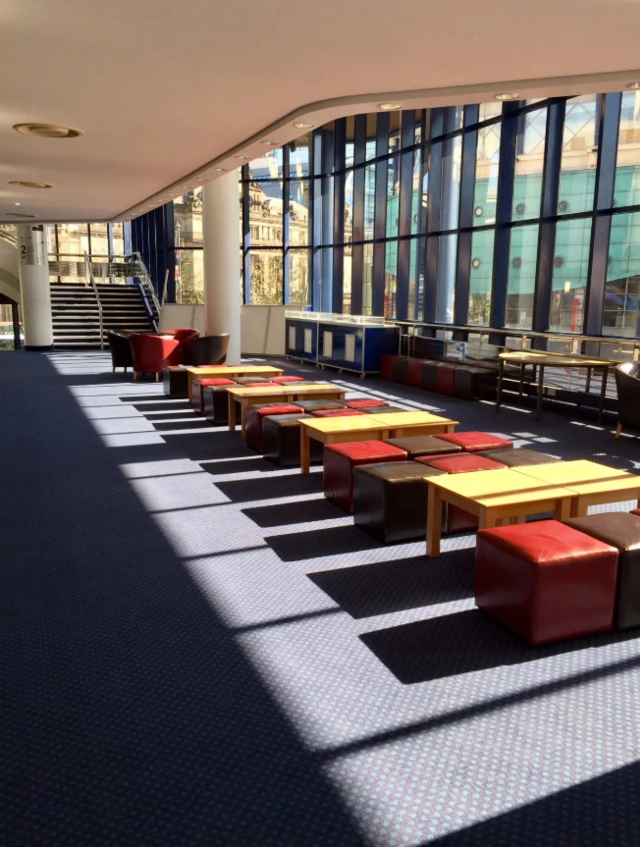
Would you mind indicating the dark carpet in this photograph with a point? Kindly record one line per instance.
(199, 650)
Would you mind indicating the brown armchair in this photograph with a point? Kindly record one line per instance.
(207, 350)
(628, 385)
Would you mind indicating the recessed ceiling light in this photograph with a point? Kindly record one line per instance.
(303, 125)
(270, 143)
(48, 130)
(243, 157)
(389, 107)
(221, 169)
(507, 95)
(26, 184)
(634, 86)
(18, 215)
(17, 204)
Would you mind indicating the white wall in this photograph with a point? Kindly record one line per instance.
(263, 332)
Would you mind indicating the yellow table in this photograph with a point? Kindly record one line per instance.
(415, 423)
(228, 372)
(543, 360)
(591, 482)
(357, 428)
(250, 396)
(492, 496)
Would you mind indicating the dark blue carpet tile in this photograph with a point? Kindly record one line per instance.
(198, 649)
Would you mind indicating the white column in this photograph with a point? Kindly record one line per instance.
(34, 286)
(221, 243)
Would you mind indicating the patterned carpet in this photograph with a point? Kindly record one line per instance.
(199, 650)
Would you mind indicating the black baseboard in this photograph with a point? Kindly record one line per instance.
(38, 349)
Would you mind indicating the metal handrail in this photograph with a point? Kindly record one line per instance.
(96, 292)
(146, 282)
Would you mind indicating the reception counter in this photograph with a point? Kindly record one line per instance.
(348, 342)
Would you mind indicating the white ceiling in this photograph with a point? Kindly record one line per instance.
(162, 89)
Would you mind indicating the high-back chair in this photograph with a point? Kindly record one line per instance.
(120, 350)
(207, 350)
(152, 353)
(628, 385)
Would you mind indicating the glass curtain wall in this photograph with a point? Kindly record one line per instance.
(473, 216)
(70, 242)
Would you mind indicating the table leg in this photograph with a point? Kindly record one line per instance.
(304, 450)
(603, 392)
(575, 507)
(487, 519)
(450, 428)
(540, 389)
(520, 519)
(499, 389)
(190, 387)
(434, 522)
(521, 387)
(231, 412)
(243, 416)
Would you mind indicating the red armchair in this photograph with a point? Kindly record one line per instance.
(153, 353)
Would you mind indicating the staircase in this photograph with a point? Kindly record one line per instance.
(76, 313)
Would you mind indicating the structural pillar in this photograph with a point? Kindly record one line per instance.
(222, 276)
(34, 287)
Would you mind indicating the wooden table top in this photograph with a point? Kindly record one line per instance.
(349, 423)
(582, 476)
(227, 370)
(500, 487)
(530, 357)
(283, 390)
(399, 419)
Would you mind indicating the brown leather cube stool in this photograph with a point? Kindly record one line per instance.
(429, 375)
(390, 500)
(255, 418)
(518, 457)
(341, 459)
(400, 367)
(424, 445)
(251, 380)
(281, 441)
(546, 581)
(622, 531)
(319, 405)
(216, 405)
(474, 383)
(175, 382)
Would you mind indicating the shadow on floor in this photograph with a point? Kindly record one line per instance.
(384, 587)
(293, 485)
(307, 511)
(316, 543)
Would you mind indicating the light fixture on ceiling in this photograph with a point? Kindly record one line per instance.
(23, 183)
(47, 130)
(18, 215)
(220, 170)
(270, 143)
(247, 158)
(389, 107)
(634, 86)
(507, 95)
(303, 125)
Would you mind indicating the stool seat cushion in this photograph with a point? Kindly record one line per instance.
(254, 384)
(474, 442)
(622, 531)
(318, 405)
(335, 413)
(519, 457)
(340, 460)
(216, 381)
(460, 463)
(244, 380)
(277, 409)
(546, 581)
(390, 500)
(364, 403)
(424, 445)
(197, 396)
(283, 380)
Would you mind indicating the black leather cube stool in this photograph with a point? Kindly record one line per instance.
(216, 405)
(424, 445)
(390, 500)
(620, 530)
(319, 405)
(474, 383)
(429, 377)
(175, 382)
(518, 457)
(400, 366)
(281, 441)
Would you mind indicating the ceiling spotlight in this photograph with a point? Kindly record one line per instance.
(48, 130)
(243, 157)
(303, 125)
(389, 107)
(17, 204)
(507, 95)
(219, 170)
(270, 143)
(18, 215)
(25, 184)
(634, 86)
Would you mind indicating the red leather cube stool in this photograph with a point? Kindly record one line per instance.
(622, 531)
(445, 380)
(456, 519)
(414, 372)
(341, 459)
(335, 413)
(364, 403)
(424, 445)
(519, 457)
(216, 402)
(256, 415)
(283, 380)
(281, 441)
(546, 581)
(319, 405)
(386, 367)
(390, 500)
(197, 397)
(635, 512)
(476, 442)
